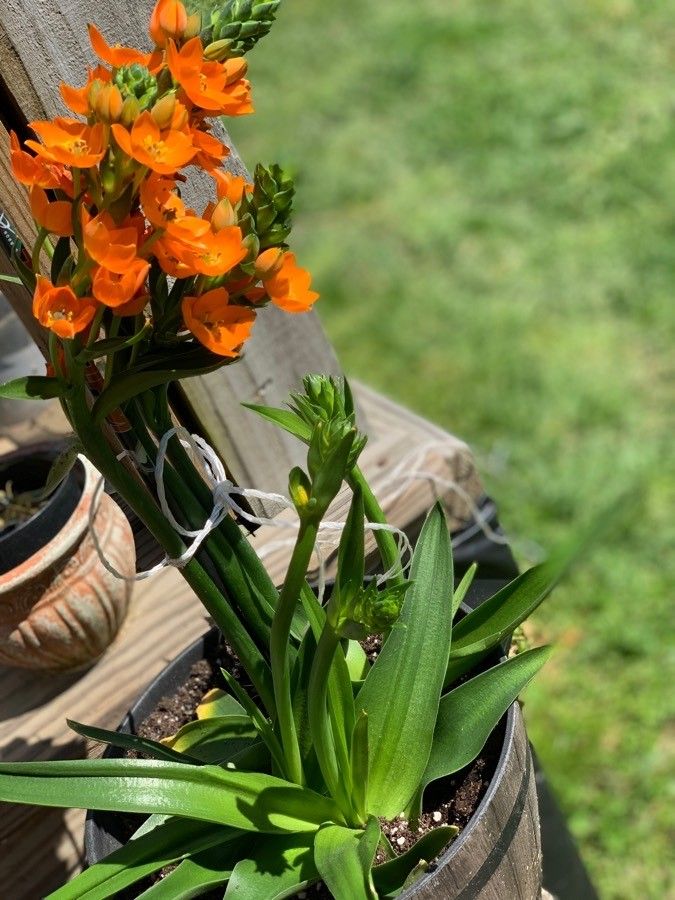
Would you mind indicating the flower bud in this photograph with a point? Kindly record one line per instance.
(223, 215)
(131, 110)
(235, 69)
(94, 90)
(162, 112)
(108, 104)
(193, 27)
(252, 244)
(218, 51)
(168, 21)
(268, 263)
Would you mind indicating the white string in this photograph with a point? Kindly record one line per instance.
(223, 491)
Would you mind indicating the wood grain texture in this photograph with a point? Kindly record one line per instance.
(42, 44)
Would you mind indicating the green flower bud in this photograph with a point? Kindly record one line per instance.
(240, 22)
(371, 611)
(138, 82)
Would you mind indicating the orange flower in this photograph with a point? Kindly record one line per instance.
(30, 170)
(169, 19)
(116, 56)
(217, 87)
(230, 187)
(161, 151)
(115, 289)
(161, 206)
(216, 324)
(56, 217)
(288, 287)
(111, 247)
(211, 151)
(69, 142)
(219, 252)
(60, 310)
(77, 99)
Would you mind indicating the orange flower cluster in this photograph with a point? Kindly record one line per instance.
(109, 188)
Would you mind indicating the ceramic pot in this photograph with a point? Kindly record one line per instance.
(60, 608)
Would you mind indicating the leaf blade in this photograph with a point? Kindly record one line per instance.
(344, 859)
(468, 714)
(414, 659)
(249, 801)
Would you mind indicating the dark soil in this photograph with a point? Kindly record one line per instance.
(449, 801)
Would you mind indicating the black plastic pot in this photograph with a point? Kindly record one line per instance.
(497, 856)
(27, 469)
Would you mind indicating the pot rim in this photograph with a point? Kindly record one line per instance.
(66, 538)
(94, 830)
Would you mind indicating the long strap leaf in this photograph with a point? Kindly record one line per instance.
(173, 840)
(247, 800)
(467, 715)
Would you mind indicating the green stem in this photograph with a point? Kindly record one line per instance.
(386, 542)
(212, 598)
(279, 656)
(37, 249)
(320, 725)
(110, 358)
(258, 594)
(184, 501)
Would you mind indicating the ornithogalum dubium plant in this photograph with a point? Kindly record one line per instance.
(304, 765)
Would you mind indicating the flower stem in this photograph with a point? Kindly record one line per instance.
(386, 542)
(320, 725)
(279, 657)
(213, 599)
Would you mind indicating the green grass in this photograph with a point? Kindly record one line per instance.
(487, 203)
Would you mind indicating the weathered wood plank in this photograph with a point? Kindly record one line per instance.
(43, 44)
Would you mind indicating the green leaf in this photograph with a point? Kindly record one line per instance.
(26, 274)
(151, 375)
(357, 661)
(58, 470)
(194, 876)
(259, 721)
(477, 633)
(403, 688)
(392, 875)
(217, 703)
(61, 255)
(167, 843)
(131, 742)
(284, 418)
(468, 714)
(31, 387)
(275, 867)
(12, 279)
(340, 695)
(359, 763)
(215, 740)
(463, 588)
(351, 553)
(112, 345)
(247, 800)
(344, 858)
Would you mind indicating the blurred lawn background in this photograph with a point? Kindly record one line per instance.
(486, 199)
